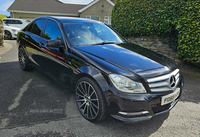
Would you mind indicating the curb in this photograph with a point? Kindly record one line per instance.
(7, 47)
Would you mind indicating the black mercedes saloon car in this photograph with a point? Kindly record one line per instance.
(107, 74)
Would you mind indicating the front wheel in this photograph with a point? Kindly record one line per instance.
(7, 35)
(23, 60)
(90, 100)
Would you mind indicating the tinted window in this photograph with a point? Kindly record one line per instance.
(17, 22)
(37, 26)
(30, 27)
(8, 21)
(52, 31)
(13, 22)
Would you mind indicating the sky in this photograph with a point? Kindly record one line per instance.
(5, 4)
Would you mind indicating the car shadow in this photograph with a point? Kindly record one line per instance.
(191, 88)
(143, 128)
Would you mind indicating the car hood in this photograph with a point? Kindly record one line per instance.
(129, 56)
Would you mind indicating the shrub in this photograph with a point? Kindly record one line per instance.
(189, 32)
(142, 17)
(162, 17)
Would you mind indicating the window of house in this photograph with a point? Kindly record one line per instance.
(52, 31)
(107, 20)
(37, 27)
(93, 17)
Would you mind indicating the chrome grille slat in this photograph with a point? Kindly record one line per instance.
(161, 78)
(158, 84)
(160, 89)
(177, 76)
(162, 83)
(177, 81)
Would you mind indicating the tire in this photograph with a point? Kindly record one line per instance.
(7, 35)
(23, 60)
(90, 100)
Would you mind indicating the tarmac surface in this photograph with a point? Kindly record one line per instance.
(33, 105)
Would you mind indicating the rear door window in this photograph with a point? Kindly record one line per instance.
(29, 29)
(38, 26)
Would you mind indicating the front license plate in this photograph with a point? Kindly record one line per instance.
(170, 98)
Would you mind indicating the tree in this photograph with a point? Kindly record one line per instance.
(2, 16)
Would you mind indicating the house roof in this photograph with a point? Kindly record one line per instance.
(44, 6)
(113, 1)
(94, 2)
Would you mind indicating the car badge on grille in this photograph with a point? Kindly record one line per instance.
(172, 81)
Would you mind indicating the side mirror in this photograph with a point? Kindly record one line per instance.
(54, 43)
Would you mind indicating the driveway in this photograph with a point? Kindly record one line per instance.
(32, 105)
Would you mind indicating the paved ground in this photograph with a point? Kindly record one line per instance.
(31, 104)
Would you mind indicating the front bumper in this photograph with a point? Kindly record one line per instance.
(144, 114)
(140, 108)
(15, 34)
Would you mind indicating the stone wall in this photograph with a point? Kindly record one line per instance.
(1, 34)
(153, 43)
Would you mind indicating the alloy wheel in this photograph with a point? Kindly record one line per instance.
(87, 100)
(7, 35)
(22, 59)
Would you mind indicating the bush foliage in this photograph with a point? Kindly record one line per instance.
(2, 16)
(189, 32)
(158, 17)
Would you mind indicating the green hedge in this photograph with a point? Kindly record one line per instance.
(142, 17)
(161, 17)
(189, 32)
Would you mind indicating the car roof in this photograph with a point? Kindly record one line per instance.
(63, 19)
(12, 19)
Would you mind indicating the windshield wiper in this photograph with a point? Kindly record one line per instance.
(102, 43)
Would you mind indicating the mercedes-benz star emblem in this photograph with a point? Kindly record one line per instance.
(172, 81)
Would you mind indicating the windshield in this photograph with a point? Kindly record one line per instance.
(89, 33)
(4, 24)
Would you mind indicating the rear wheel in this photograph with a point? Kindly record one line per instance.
(90, 100)
(23, 60)
(7, 35)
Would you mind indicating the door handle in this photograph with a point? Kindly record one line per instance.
(41, 44)
(68, 61)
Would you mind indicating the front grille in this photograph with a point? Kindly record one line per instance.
(158, 108)
(164, 83)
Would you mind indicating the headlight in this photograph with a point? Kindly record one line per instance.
(126, 85)
(14, 30)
